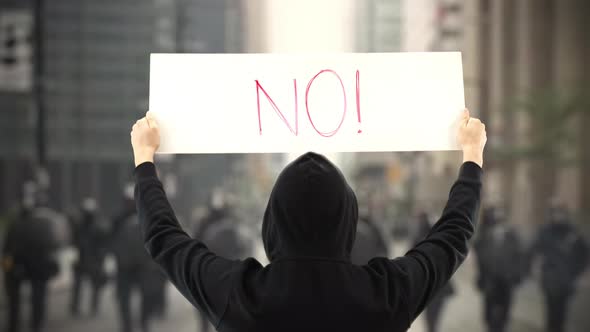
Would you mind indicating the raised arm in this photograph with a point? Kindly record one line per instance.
(204, 278)
(425, 269)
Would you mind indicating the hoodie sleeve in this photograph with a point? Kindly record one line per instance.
(426, 268)
(203, 278)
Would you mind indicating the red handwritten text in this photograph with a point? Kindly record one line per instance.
(333, 132)
(295, 129)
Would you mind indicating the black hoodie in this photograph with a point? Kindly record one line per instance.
(308, 233)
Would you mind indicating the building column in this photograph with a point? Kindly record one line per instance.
(255, 26)
(498, 56)
(541, 33)
(582, 8)
(521, 204)
(568, 59)
(494, 75)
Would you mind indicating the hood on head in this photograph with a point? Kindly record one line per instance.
(311, 212)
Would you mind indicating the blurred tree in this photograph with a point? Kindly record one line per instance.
(551, 142)
(551, 135)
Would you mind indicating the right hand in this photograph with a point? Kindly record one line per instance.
(472, 138)
(145, 139)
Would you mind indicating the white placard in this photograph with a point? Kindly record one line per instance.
(243, 103)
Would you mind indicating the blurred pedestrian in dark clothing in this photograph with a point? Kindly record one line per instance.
(434, 310)
(369, 241)
(223, 231)
(216, 210)
(135, 271)
(29, 255)
(224, 236)
(90, 237)
(501, 261)
(564, 257)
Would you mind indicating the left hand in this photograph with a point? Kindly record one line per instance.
(145, 139)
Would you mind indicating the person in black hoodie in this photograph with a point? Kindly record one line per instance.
(308, 233)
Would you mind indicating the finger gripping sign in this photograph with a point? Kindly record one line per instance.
(245, 103)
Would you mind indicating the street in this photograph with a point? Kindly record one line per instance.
(462, 313)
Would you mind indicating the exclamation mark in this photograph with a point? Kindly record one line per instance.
(358, 101)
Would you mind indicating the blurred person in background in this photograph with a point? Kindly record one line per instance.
(223, 234)
(29, 255)
(564, 257)
(308, 231)
(135, 270)
(434, 309)
(217, 209)
(501, 261)
(90, 238)
(369, 241)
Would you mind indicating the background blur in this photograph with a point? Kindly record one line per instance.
(74, 78)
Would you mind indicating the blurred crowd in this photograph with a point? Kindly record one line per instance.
(556, 257)
(36, 233)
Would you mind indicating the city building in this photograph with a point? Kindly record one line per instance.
(94, 78)
(533, 63)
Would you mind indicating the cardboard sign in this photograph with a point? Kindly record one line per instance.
(242, 103)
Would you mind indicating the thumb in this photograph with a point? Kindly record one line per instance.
(149, 116)
(462, 119)
(465, 116)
